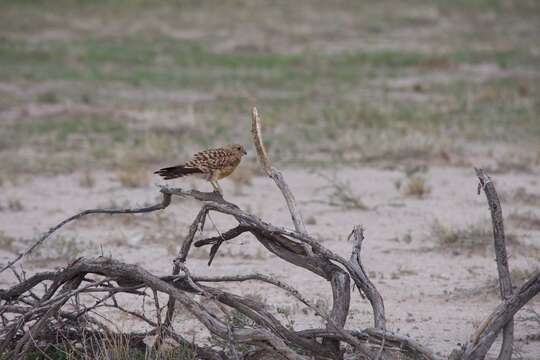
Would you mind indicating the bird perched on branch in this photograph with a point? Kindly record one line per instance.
(212, 165)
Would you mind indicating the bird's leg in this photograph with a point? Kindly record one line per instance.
(219, 189)
(216, 186)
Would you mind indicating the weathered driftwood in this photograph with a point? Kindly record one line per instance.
(32, 319)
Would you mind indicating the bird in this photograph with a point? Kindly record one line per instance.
(211, 164)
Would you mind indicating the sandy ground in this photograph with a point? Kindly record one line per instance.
(435, 295)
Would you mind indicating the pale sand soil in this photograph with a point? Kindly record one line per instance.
(436, 296)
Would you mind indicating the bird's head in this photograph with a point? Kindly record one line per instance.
(237, 148)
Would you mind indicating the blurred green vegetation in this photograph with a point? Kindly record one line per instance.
(93, 82)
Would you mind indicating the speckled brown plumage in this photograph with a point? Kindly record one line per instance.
(211, 164)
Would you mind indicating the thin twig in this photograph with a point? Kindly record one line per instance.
(164, 203)
(364, 283)
(215, 247)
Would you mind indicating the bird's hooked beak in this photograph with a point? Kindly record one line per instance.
(244, 151)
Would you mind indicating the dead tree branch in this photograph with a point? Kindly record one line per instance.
(364, 282)
(166, 200)
(275, 239)
(274, 173)
(486, 334)
(501, 257)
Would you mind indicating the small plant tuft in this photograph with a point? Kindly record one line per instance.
(7, 242)
(87, 180)
(59, 248)
(341, 194)
(416, 186)
(15, 205)
(526, 220)
(132, 176)
(48, 97)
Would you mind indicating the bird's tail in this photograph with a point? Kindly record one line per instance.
(176, 172)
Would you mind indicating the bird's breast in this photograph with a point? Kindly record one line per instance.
(225, 171)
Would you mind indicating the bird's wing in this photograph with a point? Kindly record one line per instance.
(212, 159)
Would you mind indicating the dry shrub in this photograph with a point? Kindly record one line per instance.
(87, 180)
(341, 194)
(474, 238)
(521, 195)
(60, 248)
(114, 347)
(118, 346)
(132, 175)
(7, 242)
(13, 204)
(527, 220)
(416, 186)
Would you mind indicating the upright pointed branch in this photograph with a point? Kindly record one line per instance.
(197, 224)
(501, 257)
(365, 283)
(274, 173)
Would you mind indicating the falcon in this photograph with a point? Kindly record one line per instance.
(212, 165)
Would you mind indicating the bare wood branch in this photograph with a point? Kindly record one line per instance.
(295, 293)
(116, 269)
(339, 279)
(487, 333)
(166, 200)
(374, 338)
(264, 230)
(182, 255)
(274, 173)
(364, 282)
(501, 257)
(23, 345)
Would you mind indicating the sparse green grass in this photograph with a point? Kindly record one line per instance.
(48, 97)
(337, 105)
(61, 129)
